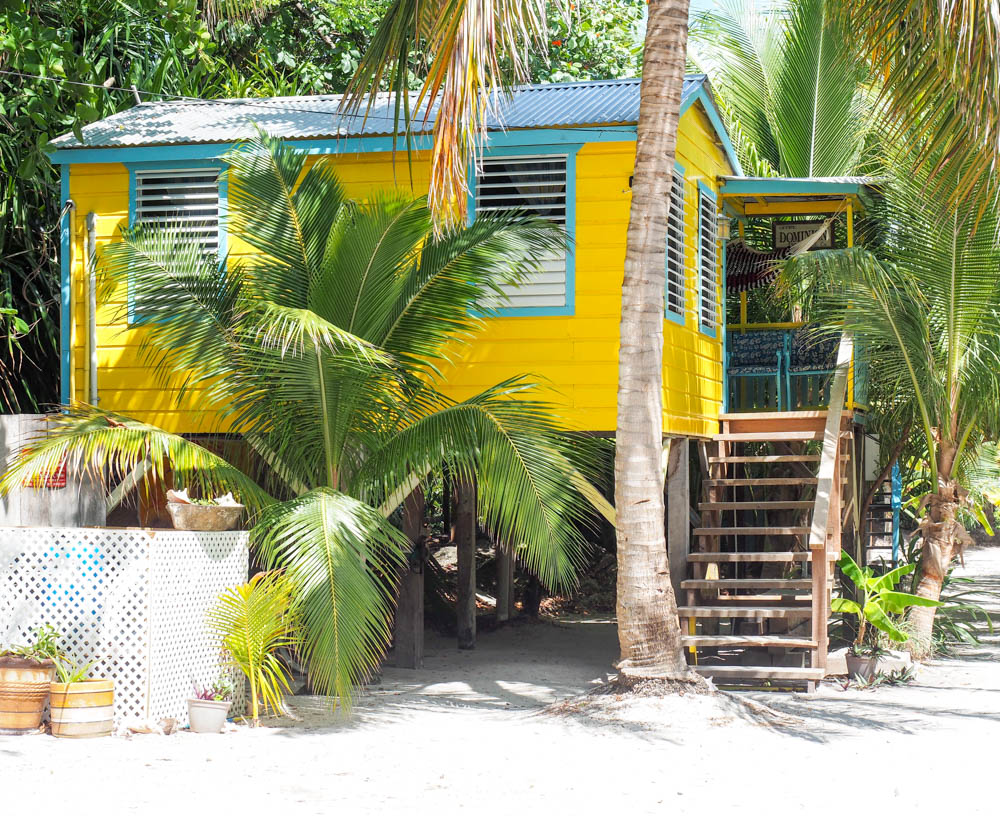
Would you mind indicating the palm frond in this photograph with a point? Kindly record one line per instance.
(342, 557)
(476, 51)
(938, 62)
(522, 462)
(106, 445)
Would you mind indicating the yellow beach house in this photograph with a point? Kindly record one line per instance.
(564, 151)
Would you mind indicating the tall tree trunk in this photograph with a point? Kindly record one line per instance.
(648, 629)
(944, 537)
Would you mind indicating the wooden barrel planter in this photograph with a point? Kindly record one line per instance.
(83, 709)
(24, 689)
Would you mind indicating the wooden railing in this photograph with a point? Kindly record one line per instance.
(825, 533)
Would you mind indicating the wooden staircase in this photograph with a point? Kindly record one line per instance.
(759, 573)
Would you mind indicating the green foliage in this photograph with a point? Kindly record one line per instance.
(69, 672)
(324, 350)
(44, 646)
(790, 85)
(600, 39)
(255, 621)
(220, 691)
(877, 601)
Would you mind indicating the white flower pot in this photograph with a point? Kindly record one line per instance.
(207, 716)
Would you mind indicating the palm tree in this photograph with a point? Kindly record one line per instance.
(789, 83)
(322, 350)
(925, 304)
(648, 629)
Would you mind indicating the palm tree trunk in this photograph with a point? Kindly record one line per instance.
(648, 629)
(941, 531)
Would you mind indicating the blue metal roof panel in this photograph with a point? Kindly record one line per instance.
(574, 104)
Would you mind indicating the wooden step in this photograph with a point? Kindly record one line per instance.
(748, 583)
(767, 481)
(737, 531)
(759, 673)
(757, 505)
(766, 416)
(769, 436)
(744, 611)
(768, 459)
(785, 641)
(747, 557)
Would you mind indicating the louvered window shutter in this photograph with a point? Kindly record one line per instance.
(537, 185)
(708, 228)
(184, 199)
(676, 300)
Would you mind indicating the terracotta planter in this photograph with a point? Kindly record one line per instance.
(207, 716)
(861, 668)
(205, 517)
(24, 690)
(82, 710)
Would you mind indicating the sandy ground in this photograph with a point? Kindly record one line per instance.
(468, 735)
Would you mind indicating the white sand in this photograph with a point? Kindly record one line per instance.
(467, 735)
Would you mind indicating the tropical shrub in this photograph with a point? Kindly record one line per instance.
(325, 350)
(877, 601)
(255, 621)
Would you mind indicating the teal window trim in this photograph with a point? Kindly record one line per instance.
(66, 287)
(133, 167)
(569, 151)
(680, 318)
(705, 192)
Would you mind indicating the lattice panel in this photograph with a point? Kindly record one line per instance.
(134, 601)
(183, 652)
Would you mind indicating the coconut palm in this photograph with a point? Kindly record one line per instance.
(789, 84)
(648, 629)
(323, 349)
(925, 304)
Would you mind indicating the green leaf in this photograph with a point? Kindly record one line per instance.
(845, 605)
(898, 602)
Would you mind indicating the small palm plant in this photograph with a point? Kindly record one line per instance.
(255, 621)
(324, 350)
(877, 601)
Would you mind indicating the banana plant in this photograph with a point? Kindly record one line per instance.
(877, 600)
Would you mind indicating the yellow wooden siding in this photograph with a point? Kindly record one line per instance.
(576, 355)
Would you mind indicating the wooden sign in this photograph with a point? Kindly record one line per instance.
(789, 233)
(52, 480)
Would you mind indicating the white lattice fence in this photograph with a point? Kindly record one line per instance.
(133, 600)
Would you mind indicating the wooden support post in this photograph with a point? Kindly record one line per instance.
(464, 536)
(409, 631)
(505, 584)
(678, 500)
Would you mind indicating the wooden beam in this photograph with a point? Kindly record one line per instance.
(464, 537)
(409, 629)
(505, 583)
(678, 500)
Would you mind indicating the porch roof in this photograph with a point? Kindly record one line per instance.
(766, 196)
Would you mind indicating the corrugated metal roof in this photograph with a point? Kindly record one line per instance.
(573, 104)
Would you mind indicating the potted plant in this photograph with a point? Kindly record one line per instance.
(80, 707)
(877, 600)
(208, 709)
(188, 513)
(25, 675)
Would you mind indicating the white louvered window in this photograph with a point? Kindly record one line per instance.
(708, 244)
(536, 185)
(676, 293)
(184, 199)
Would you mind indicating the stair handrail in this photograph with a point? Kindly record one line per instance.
(829, 470)
(825, 522)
